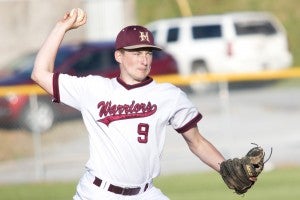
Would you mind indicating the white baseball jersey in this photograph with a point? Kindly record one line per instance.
(126, 123)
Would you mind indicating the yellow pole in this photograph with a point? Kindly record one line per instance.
(184, 7)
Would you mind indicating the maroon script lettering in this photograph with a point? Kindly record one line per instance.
(109, 112)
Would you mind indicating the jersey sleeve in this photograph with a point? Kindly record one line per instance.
(185, 115)
(71, 90)
(68, 89)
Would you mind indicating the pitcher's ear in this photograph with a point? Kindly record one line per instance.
(118, 55)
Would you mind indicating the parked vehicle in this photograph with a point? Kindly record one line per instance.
(80, 60)
(231, 42)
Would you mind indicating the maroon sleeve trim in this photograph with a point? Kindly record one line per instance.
(56, 97)
(190, 124)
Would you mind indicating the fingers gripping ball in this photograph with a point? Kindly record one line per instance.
(80, 14)
(239, 174)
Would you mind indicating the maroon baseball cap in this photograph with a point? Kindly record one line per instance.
(135, 37)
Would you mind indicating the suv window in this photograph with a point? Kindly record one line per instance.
(100, 60)
(154, 33)
(62, 55)
(172, 35)
(208, 31)
(261, 27)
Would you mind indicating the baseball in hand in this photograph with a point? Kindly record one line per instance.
(80, 14)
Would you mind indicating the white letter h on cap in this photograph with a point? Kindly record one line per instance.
(144, 36)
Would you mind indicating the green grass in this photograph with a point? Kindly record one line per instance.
(38, 191)
(275, 185)
(295, 82)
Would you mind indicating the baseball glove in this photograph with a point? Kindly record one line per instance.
(240, 174)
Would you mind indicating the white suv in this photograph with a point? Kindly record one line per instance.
(232, 42)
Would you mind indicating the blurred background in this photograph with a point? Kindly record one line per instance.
(42, 141)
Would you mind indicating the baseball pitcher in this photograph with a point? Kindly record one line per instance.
(126, 117)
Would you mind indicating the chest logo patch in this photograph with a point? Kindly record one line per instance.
(109, 112)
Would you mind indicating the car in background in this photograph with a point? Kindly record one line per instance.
(95, 58)
(235, 42)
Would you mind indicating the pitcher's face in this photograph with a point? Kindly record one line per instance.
(135, 65)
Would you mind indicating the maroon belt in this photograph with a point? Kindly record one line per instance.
(120, 190)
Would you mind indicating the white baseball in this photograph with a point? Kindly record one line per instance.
(80, 14)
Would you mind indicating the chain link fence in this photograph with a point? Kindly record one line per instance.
(49, 141)
(33, 127)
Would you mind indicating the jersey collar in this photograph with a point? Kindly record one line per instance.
(129, 87)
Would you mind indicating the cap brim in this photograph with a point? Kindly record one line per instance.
(142, 46)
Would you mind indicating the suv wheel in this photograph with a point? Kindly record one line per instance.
(39, 120)
(200, 67)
